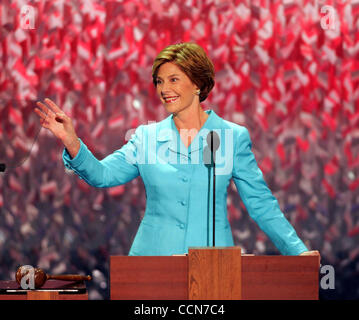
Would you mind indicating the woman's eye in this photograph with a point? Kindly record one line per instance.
(160, 81)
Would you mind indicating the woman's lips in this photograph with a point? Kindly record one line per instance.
(170, 99)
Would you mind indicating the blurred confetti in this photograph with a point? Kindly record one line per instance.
(281, 70)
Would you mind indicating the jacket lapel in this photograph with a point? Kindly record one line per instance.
(167, 132)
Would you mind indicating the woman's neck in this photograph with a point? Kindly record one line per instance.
(190, 118)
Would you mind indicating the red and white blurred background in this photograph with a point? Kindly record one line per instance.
(287, 70)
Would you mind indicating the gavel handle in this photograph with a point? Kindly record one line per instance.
(68, 277)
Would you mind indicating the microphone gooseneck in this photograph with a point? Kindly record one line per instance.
(209, 158)
(214, 187)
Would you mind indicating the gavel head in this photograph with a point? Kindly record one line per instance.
(25, 273)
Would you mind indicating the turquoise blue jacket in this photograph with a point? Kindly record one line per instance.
(178, 187)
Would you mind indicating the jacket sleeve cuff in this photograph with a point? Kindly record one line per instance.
(297, 250)
(73, 163)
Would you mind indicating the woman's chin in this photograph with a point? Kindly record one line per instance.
(170, 107)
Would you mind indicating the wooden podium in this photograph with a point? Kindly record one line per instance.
(214, 274)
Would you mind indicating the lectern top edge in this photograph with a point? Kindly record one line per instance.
(211, 248)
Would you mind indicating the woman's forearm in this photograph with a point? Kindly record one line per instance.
(73, 146)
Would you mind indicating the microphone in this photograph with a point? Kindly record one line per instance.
(209, 151)
(209, 159)
(213, 140)
(2, 167)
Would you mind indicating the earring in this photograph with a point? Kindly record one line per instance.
(198, 92)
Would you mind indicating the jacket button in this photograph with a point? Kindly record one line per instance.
(183, 202)
(181, 225)
(184, 179)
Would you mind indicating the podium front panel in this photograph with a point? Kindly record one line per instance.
(148, 278)
(214, 273)
(280, 277)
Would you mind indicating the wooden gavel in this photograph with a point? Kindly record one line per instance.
(40, 276)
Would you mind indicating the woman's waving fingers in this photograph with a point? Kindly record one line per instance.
(53, 106)
(40, 113)
(54, 119)
(45, 111)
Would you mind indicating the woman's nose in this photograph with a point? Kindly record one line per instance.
(164, 87)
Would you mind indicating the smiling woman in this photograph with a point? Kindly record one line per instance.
(184, 76)
(193, 61)
(175, 89)
(178, 200)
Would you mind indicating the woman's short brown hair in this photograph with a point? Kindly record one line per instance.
(193, 61)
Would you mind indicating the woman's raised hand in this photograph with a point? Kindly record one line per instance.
(310, 253)
(54, 119)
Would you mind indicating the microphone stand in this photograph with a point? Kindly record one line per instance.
(214, 192)
(214, 203)
(209, 156)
